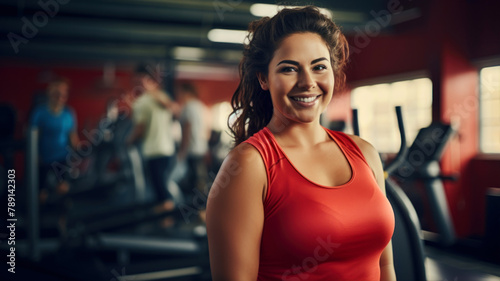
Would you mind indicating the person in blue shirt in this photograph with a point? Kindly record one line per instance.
(56, 124)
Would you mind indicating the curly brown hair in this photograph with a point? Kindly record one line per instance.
(252, 107)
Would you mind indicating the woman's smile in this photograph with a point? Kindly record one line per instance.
(306, 100)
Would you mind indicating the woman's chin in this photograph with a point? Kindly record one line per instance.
(305, 119)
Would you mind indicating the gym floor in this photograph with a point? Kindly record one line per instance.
(441, 265)
(444, 265)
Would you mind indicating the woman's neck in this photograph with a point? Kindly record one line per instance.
(297, 134)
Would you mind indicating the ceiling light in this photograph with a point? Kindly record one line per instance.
(227, 36)
(188, 53)
(269, 10)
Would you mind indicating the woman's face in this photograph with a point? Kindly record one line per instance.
(300, 78)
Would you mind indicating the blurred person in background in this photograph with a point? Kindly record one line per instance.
(57, 137)
(56, 124)
(111, 148)
(194, 143)
(152, 115)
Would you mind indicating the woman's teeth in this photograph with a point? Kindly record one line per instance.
(310, 99)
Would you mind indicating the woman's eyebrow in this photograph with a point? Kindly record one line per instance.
(289, 62)
(318, 60)
(297, 64)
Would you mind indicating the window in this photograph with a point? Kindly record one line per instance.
(377, 117)
(489, 113)
(220, 112)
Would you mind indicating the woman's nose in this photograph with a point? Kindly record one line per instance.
(306, 80)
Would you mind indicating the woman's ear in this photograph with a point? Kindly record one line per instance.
(263, 81)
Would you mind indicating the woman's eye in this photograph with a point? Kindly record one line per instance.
(288, 69)
(320, 67)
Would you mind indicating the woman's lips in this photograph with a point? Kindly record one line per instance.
(305, 100)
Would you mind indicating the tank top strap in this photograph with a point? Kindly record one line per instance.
(346, 143)
(268, 149)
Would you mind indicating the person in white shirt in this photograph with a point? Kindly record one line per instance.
(153, 116)
(194, 143)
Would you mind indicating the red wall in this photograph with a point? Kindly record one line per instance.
(445, 44)
(459, 106)
(21, 81)
(388, 55)
(88, 97)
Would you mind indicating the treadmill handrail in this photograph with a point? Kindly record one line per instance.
(403, 148)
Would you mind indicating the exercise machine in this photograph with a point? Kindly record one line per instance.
(409, 257)
(421, 165)
(96, 246)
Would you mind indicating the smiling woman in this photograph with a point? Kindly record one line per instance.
(294, 200)
(264, 37)
(300, 88)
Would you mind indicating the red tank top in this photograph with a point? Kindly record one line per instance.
(314, 232)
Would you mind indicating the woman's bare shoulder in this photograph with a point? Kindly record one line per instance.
(365, 146)
(243, 167)
(371, 155)
(244, 151)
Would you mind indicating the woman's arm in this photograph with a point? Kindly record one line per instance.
(235, 216)
(387, 272)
